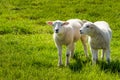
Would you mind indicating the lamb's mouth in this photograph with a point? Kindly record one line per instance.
(81, 32)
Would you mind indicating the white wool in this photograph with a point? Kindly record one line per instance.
(67, 35)
(104, 26)
(100, 37)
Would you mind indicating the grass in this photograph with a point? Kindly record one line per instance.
(27, 49)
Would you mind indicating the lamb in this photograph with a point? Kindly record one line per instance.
(100, 37)
(67, 33)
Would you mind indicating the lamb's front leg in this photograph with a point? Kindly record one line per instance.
(94, 56)
(59, 55)
(84, 43)
(68, 54)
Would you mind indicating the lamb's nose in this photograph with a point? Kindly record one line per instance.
(56, 30)
(80, 31)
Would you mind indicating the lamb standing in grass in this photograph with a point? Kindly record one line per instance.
(66, 33)
(100, 37)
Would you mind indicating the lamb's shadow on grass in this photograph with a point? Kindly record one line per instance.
(78, 63)
(113, 67)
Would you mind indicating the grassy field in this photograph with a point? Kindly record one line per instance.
(27, 49)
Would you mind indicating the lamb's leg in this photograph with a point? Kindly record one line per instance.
(72, 50)
(94, 56)
(68, 54)
(102, 55)
(59, 55)
(84, 43)
(108, 55)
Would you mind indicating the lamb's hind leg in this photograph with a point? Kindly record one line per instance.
(72, 50)
(108, 55)
(84, 43)
(103, 53)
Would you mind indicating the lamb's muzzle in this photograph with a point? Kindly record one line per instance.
(81, 32)
(56, 30)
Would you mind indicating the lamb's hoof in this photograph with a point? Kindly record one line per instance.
(95, 62)
(59, 65)
(67, 64)
(108, 62)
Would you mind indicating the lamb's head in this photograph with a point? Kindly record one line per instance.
(87, 28)
(57, 25)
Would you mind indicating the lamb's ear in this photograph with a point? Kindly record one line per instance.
(84, 21)
(92, 25)
(65, 23)
(50, 23)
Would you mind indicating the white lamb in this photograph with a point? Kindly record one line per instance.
(66, 33)
(100, 37)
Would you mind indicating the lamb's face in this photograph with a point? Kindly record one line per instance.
(58, 26)
(86, 28)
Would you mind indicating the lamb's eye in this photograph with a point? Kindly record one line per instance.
(87, 26)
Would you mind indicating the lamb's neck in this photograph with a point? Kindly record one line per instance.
(96, 35)
(96, 32)
(60, 36)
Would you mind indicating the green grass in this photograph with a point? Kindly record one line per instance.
(27, 49)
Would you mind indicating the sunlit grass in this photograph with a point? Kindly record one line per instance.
(27, 49)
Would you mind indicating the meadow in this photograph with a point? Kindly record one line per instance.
(27, 49)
